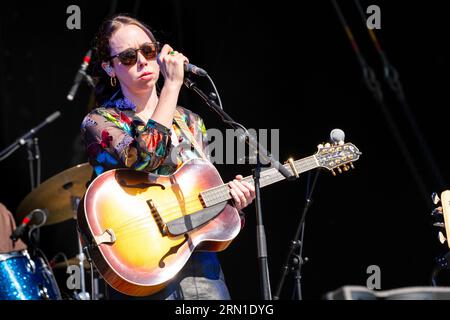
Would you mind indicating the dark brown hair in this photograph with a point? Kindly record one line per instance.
(102, 52)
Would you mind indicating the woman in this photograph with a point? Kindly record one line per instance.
(134, 127)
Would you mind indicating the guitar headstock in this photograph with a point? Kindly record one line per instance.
(442, 214)
(338, 156)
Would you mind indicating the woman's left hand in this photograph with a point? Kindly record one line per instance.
(242, 192)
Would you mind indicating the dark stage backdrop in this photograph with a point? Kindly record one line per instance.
(278, 65)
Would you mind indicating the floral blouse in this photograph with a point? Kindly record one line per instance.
(116, 138)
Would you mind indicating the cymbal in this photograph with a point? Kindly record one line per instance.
(58, 194)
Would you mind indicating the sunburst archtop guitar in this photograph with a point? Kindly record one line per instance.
(140, 228)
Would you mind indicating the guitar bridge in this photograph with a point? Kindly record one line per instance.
(161, 225)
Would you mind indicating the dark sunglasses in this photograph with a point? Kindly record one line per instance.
(128, 57)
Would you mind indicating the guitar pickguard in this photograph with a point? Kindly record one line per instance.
(194, 220)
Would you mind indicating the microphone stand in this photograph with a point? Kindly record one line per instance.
(88, 80)
(293, 261)
(262, 153)
(83, 294)
(33, 155)
(31, 158)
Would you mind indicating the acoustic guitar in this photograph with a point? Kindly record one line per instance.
(140, 228)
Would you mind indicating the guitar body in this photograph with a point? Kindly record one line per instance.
(142, 256)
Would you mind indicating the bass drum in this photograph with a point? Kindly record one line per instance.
(23, 278)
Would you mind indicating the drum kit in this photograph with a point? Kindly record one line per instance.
(25, 277)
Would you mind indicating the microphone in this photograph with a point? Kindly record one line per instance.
(18, 232)
(79, 76)
(337, 135)
(188, 67)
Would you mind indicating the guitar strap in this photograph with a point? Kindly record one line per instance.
(188, 134)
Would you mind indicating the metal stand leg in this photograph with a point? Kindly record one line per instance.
(95, 292)
(83, 294)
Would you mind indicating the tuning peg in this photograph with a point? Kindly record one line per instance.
(351, 165)
(320, 146)
(339, 170)
(437, 212)
(334, 173)
(345, 167)
(441, 237)
(435, 198)
(327, 145)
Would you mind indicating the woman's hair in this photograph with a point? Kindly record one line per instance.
(102, 52)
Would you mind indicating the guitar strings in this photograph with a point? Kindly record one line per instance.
(143, 229)
(168, 207)
(189, 201)
(214, 196)
(131, 223)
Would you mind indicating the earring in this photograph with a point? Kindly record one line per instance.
(113, 81)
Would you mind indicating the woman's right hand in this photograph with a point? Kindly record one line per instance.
(171, 64)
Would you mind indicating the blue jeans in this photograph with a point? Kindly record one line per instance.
(200, 279)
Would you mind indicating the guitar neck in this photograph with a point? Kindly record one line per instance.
(222, 193)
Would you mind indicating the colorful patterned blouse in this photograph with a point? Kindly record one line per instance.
(116, 138)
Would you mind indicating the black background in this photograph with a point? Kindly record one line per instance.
(277, 65)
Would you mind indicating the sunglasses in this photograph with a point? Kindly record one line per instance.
(128, 57)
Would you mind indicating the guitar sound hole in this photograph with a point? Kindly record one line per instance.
(171, 251)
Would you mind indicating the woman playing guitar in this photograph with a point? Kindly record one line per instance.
(133, 127)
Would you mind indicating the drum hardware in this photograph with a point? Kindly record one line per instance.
(95, 292)
(67, 262)
(83, 294)
(60, 196)
(24, 278)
